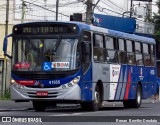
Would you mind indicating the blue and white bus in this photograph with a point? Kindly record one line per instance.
(72, 62)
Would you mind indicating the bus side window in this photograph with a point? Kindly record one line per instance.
(138, 52)
(122, 56)
(146, 54)
(99, 53)
(111, 52)
(130, 52)
(152, 55)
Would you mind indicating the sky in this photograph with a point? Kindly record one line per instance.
(68, 7)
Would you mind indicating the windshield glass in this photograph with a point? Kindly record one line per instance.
(45, 54)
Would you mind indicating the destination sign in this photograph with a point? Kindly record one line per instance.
(34, 29)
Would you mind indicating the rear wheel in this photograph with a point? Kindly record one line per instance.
(94, 105)
(39, 106)
(136, 103)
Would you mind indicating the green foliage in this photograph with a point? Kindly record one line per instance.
(156, 19)
(6, 95)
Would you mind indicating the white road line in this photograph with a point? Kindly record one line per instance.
(7, 109)
(67, 114)
(77, 113)
(60, 115)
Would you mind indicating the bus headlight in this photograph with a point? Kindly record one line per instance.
(74, 81)
(13, 81)
(19, 86)
(71, 83)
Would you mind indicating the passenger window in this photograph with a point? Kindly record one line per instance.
(121, 44)
(147, 59)
(122, 55)
(138, 47)
(109, 42)
(111, 52)
(98, 41)
(152, 55)
(99, 52)
(138, 52)
(145, 48)
(130, 53)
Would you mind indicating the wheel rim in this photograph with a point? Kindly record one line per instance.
(138, 97)
(96, 97)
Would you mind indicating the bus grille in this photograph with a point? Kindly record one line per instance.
(44, 86)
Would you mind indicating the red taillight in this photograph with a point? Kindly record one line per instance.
(22, 65)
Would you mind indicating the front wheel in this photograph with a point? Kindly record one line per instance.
(95, 104)
(39, 106)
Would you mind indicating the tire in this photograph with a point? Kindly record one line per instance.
(136, 103)
(95, 104)
(39, 106)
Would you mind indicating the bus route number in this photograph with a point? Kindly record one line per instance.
(54, 82)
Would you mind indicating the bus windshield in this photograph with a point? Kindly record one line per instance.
(45, 54)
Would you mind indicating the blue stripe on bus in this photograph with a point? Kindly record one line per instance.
(86, 85)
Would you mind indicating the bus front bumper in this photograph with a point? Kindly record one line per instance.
(25, 93)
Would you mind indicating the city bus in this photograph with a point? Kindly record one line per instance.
(72, 62)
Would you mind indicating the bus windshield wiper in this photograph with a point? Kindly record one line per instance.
(57, 44)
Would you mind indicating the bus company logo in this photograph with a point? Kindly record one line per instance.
(97, 20)
(60, 64)
(115, 73)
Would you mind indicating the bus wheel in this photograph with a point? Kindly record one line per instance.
(136, 103)
(94, 105)
(39, 106)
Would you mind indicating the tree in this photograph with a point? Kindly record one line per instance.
(156, 19)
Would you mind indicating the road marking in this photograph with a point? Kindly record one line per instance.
(61, 115)
(67, 114)
(77, 113)
(20, 109)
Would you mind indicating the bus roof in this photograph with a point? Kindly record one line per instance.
(115, 33)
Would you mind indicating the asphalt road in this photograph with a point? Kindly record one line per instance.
(73, 114)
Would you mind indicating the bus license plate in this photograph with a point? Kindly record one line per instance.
(42, 93)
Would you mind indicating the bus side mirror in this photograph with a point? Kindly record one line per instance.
(5, 43)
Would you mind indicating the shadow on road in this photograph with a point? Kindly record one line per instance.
(81, 110)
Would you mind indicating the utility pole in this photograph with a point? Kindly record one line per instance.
(149, 9)
(57, 5)
(45, 2)
(89, 12)
(5, 59)
(131, 9)
(23, 11)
